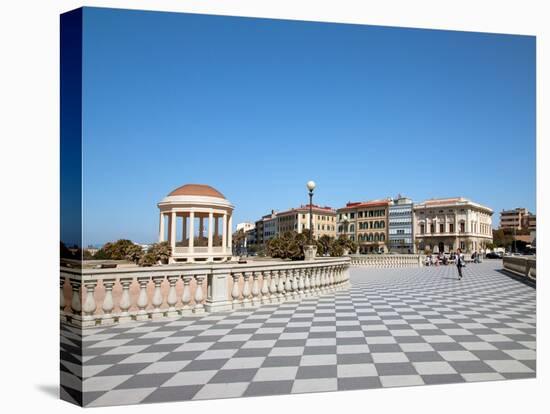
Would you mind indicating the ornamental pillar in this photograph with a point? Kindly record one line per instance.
(173, 231)
(210, 220)
(191, 231)
(161, 227)
(224, 233)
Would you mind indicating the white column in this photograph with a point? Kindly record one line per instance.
(191, 231)
(161, 228)
(184, 228)
(173, 231)
(210, 220)
(224, 233)
(229, 232)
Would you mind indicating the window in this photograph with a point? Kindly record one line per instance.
(382, 237)
(462, 227)
(432, 229)
(442, 228)
(422, 229)
(360, 214)
(351, 215)
(452, 227)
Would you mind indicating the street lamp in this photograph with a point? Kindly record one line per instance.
(310, 187)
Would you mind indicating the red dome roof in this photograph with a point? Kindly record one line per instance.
(196, 190)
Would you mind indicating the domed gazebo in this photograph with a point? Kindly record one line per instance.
(196, 219)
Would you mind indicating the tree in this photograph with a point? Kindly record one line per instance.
(133, 253)
(161, 251)
(114, 250)
(239, 237)
(323, 244)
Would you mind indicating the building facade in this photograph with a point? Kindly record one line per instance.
(518, 218)
(444, 225)
(297, 219)
(366, 223)
(400, 225)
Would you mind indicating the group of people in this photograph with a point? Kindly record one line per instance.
(456, 258)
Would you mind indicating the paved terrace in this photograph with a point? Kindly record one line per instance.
(393, 327)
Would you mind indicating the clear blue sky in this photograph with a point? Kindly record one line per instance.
(257, 107)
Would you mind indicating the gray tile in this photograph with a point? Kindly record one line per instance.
(233, 375)
(167, 394)
(281, 361)
(403, 368)
(145, 381)
(358, 383)
(205, 364)
(269, 388)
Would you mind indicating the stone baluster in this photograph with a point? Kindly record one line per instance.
(62, 303)
(301, 283)
(186, 296)
(255, 289)
(322, 280)
(199, 296)
(125, 304)
(281, 285)
(76, 302)
(143, 300)
(246, 290)
(317, 280)
(157, 298)
(236, 291)
(265, 287)
(307, 281)
(108, 304)
(288, 284)
(330, 278)
(273, 286)
(172, 299)
(89, 305)
(295, 283)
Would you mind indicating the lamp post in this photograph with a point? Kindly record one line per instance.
(310, 251)
(310, 187)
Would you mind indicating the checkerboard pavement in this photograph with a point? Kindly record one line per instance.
(393, 327)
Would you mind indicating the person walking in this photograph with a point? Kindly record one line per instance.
(459, 263)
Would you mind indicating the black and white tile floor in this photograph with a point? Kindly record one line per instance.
(393, 327)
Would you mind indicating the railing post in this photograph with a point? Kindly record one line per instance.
(199, 297)
(307, 281)
(172, 298)
(236, 291)
(272, 286)
(255, 289)
(265, 287)
(281, 285)
(76, 301)
(218, 290)
(125, 300)
(62, 303)
(89, 306)
(142, 301)
(186, 296)
(301, 284)
(246, 290)
(157, 298)
(108, 304)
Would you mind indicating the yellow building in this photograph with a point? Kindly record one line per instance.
(366, 223)
(297, 219)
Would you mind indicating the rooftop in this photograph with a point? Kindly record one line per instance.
(197, 190)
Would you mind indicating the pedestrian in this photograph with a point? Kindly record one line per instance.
(459, 263)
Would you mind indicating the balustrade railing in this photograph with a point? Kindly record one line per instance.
(525, 266)
(97, 297)
(387, 260)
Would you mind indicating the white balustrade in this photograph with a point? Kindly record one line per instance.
(102, 297)
(387, 260)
